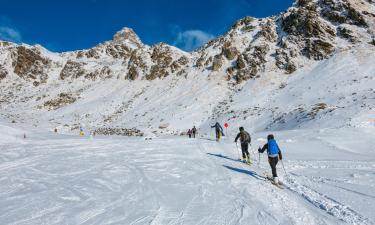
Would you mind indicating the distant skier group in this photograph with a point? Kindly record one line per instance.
(192, 132)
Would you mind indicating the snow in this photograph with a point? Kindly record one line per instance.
(51, 178)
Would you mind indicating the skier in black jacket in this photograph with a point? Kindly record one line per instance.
(194, 130)
(245, 140)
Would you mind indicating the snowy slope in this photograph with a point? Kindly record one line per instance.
(56, 179)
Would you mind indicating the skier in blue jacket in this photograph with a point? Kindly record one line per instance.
(274, 154)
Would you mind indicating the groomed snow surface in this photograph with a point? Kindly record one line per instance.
(50, 178)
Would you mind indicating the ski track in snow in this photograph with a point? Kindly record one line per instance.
(162, 181)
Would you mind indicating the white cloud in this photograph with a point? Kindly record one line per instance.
(191, 39)
(10, 34)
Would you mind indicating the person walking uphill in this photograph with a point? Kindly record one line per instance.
(274, 154)
(189, 133)
(245, 140)
(218, 130)
(194, 130)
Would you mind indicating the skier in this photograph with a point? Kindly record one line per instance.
(218, 130)
(274, 154)
(189, 133)
(245, 140)
(194, 130)
(81, 131)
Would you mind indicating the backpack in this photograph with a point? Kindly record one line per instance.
(245, 137)
(273, 148)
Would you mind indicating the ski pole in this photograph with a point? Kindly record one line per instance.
(283, 167)
(258, 159)
(238, 151)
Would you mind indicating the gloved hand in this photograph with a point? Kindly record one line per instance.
(280, 157)
(259, 149)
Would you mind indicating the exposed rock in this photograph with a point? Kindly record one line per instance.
(36, 83)
(175, 66)
(72, 69)
(284, 62)
(3, 72)
(246, 74)
(318, 49)
(290, 67)
(118, 51)
(230, 70)
(208, 61)
(127, 35)
(118, 131)
(244, 22)
(200, 62)
(162, 58)
(217, 63)
(341, 12)
(29, 64)
(104, 73)
(268, 31)
(163, 125)
(240, 64)
(92, 53)
(4, 43)
(80, 54)
(316, 109)
(62, 100)
(346, 33)
(356, 17)
(259, 53)
(132, 73)
(251, 62)
(308, 31)
(306, 23)
(183, 60)
(230, 52)
(137, 59)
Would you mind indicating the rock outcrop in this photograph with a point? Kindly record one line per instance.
(309, 30)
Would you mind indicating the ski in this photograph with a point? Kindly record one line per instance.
(279, 184)
(245, 162)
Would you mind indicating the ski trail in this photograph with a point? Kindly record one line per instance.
(163, 181)
(271, 198)
(327, 204)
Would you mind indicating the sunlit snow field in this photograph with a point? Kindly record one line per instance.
(50, 178)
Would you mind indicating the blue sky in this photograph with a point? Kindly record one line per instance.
(63, 25)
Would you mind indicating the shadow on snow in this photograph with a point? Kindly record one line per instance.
(247, 172)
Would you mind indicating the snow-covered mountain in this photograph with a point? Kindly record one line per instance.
(311, 66)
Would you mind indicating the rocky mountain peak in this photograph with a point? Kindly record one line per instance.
(127, 35)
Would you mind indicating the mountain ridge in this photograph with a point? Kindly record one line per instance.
(262, 51)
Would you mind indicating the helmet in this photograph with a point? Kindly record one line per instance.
(242, 129)
(270, 137)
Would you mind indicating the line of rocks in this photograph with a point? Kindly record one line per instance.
(118, 131)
